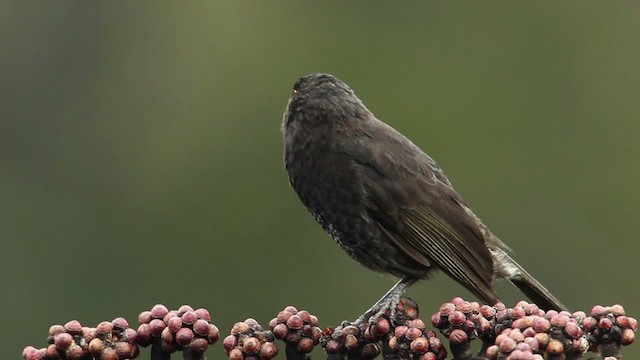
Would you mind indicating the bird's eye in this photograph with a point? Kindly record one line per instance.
(296, 87)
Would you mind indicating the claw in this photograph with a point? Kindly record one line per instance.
(389, 302)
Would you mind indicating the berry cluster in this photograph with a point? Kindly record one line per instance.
(526, 332)
(550, 334)
(352, 340)
(110, 340)
(249, 341)
(182, 329)
(608, 328)
(412, 341)
(462, 321)
(399, 333)
(297, 329)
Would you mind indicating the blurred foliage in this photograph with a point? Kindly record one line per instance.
(141, 153)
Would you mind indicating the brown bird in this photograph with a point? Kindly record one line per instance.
(386, 202)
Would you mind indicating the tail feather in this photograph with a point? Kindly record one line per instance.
(533, 289)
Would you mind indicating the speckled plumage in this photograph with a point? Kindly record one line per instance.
(385, 201)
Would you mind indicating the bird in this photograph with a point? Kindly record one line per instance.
(386, 202)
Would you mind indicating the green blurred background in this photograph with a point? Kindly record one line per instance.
(141, 150)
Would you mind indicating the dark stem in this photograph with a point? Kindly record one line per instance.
(610, 349)
(388, 353)
(292, 353)
(156, 351)
(483, 350)
(335, 356)
(191, 355)
(559, 357)
(573, 357)
(461, 351)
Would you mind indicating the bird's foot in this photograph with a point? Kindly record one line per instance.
(384, 307)
(387, 305)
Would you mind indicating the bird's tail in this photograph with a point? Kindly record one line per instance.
(509, 269)
(532, 287)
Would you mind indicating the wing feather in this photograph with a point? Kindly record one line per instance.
(416, 207)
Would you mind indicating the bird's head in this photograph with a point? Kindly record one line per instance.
(322, 99)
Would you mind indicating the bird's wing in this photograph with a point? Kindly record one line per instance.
(415, 206)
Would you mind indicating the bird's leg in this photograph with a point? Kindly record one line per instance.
(389, 301)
